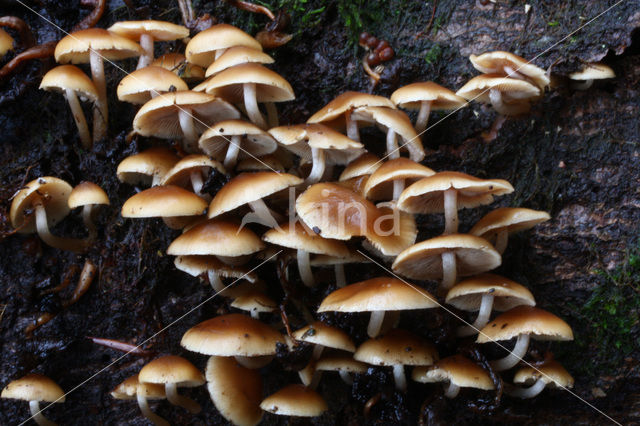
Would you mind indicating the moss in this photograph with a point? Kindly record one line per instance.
(433, 55)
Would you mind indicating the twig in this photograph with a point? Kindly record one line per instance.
(120, 346)
(37, 52)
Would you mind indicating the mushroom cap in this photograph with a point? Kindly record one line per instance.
(159, 117)
(393, 230)
(300, 237)
(71, 77)
(177, 64)
(396, 347)
(412, 95)
(164, 201)
(216, 140)
(236, 391)
(6, 42)
(366, 164)
(322, 334)
(346, 102)
(594, 71)
(147, 167)
(262, 164)
(427, 194)
(171, 369)
(378, 294)
(159, 30)
(87, 193)
(355, 184)
(252, 300)
(340, 363)
(539, 324)
(216, 237)
(238, 55)
(380, 184)
(511, 219)
(399, 122)
(551, 372)
(295, 400)
(228, 84)
(456, 369)
(248, 187)
(495, 62)
(512, 89)
(232, 335)
(54, 194)
(131, 386)
(321, 260)
(196, 265)
(180, 173)
(75, 47)
(137, 87)
(423, 261)
(467, 294)
(202, 47)
(34, 387)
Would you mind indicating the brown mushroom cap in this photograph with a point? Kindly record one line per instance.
(340, 363)
(147, 167)
(510, 219)
(203, 46)
(159, 30)
(74, 48)
(396, 347)
(348, 101)
(295, 400)
(412, 95)
(495, 63)
(366, 164)
(456, 369)
(235, 56)
(216, 237)
(515, 94)
(380, 184)
(87, 193)
(252, 300)
(6, 42)
(393, 230)
(171, 369)
(593, 71)
(467, 294)
(180, 173)
(551, 372)
(196, 265)
(322, 334)
(34, 387)
(540, 324)
(215, 140)
(54, 194)
(164, 201)
(300, 238)
(139, 86)
(71, 77)
(131, 386)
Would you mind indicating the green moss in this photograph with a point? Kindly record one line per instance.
(433, 55)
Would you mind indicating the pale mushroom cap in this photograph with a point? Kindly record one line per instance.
(131, 386)
(159, 30)
(380, 184)
(75, 47)
(71, 77)
(177, 64)
(236, 391)
(270, 86)
(235, 56)
(232, 335)
(396, 347)
(171, 369)
(427, 194)
(86, 193)
(322, 334)
(495, 62)
(180, 173)
(595, 71)
(202, 47)
(456, 369)
(423, 261)
(216, 140)
(467, 294)
(412, 95)
(164, 201)
(347, 101)
(510, 219)
(366, 164)
(159, 116)
(341, 363)
(137, 87)
(196, 265)
(300, 238)
(34, 387)
(539, 324)
(6, 42)
(247, 187)
(295, 400)
(355, 184)
(378, 294)
(147, 166)
(549, 372)
(54, 193)
(512, 89)
(251, 300)
(393, 231)
(216, 237)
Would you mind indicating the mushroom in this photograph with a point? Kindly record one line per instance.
(177, 64)
(146, 168)
(88, 195)
(551, 373)
(196, 265)
(210, 44)
(583, 79)
(131, 388)
(173, 371)
(35, 388)
(146, 83)
(6, 43)
(508, 96)
(73, 83)
(252, 301)
(193, 171)
(345, 366)
(457, 371)
(510, 65)
(264, 163)
(296, 401)
(235, 56)
(388, 181)
(523, 322)
(392, 232)
(364, 165)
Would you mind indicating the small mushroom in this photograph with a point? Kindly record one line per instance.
(345, 366)
(366, 164)
(510, 65)
(131, 388)
(88, 195)
(196, 265)
(457, 371)
(144, 84)
(235, 56)
(295, 401)
(389, 180)
(35, 388)
(549, 374)
(147, 167)
(583, 79)
(210, 44)
(508, 96)
(6, 43)
(193, 171)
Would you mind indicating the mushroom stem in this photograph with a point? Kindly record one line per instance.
(398, 187)
(352, 127)
(264, 215)
(146, 411)
(197, 183)
(100, 110)
(304, 267)
(254, 362)
(450, 211)
(581, 85)
(423, 116)
(525, 393)
(375, 323)
(449, 269)
(171, 389)
(317, 170)
(231, 157)
(42, 226)
(346, 377)
(251, 104)
(88, 222)
(38, 417)
(519, 350)
(495, 96)
(255, 314)
(272, 114)
(451, 390)
(392, 145)
(399, 377)
(146, 42)
(483, 317)
(341, 280)
(502, 239)
(188, 130)
(215, 281)
(79, 118)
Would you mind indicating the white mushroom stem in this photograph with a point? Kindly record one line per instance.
(42, 226)
(215, 281)
(341, 279)
(272, 114)
(254, 362)
(251, 104)
(375, 323)
(255, 314)
(581, 85)
(38, 417)
(451, 390)
(502, 239)
(88, 221)
(171, 389)
(392, 145)
(483, 317)
(346, 377)
(79, 118)
(423, 116)
(525, 393)
(449, 269)
(352, 127)
(450, 211)
(188, 130)
(196, 182)
(233, 150)
(317, 170)
(264, 215)
(519, 350)
(399, 377)
(146, 411)
(304, 267)
(398, 187)
(100, 110)
(146, 42)
(495, 96)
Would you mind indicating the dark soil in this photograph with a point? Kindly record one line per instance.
(576, 155)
